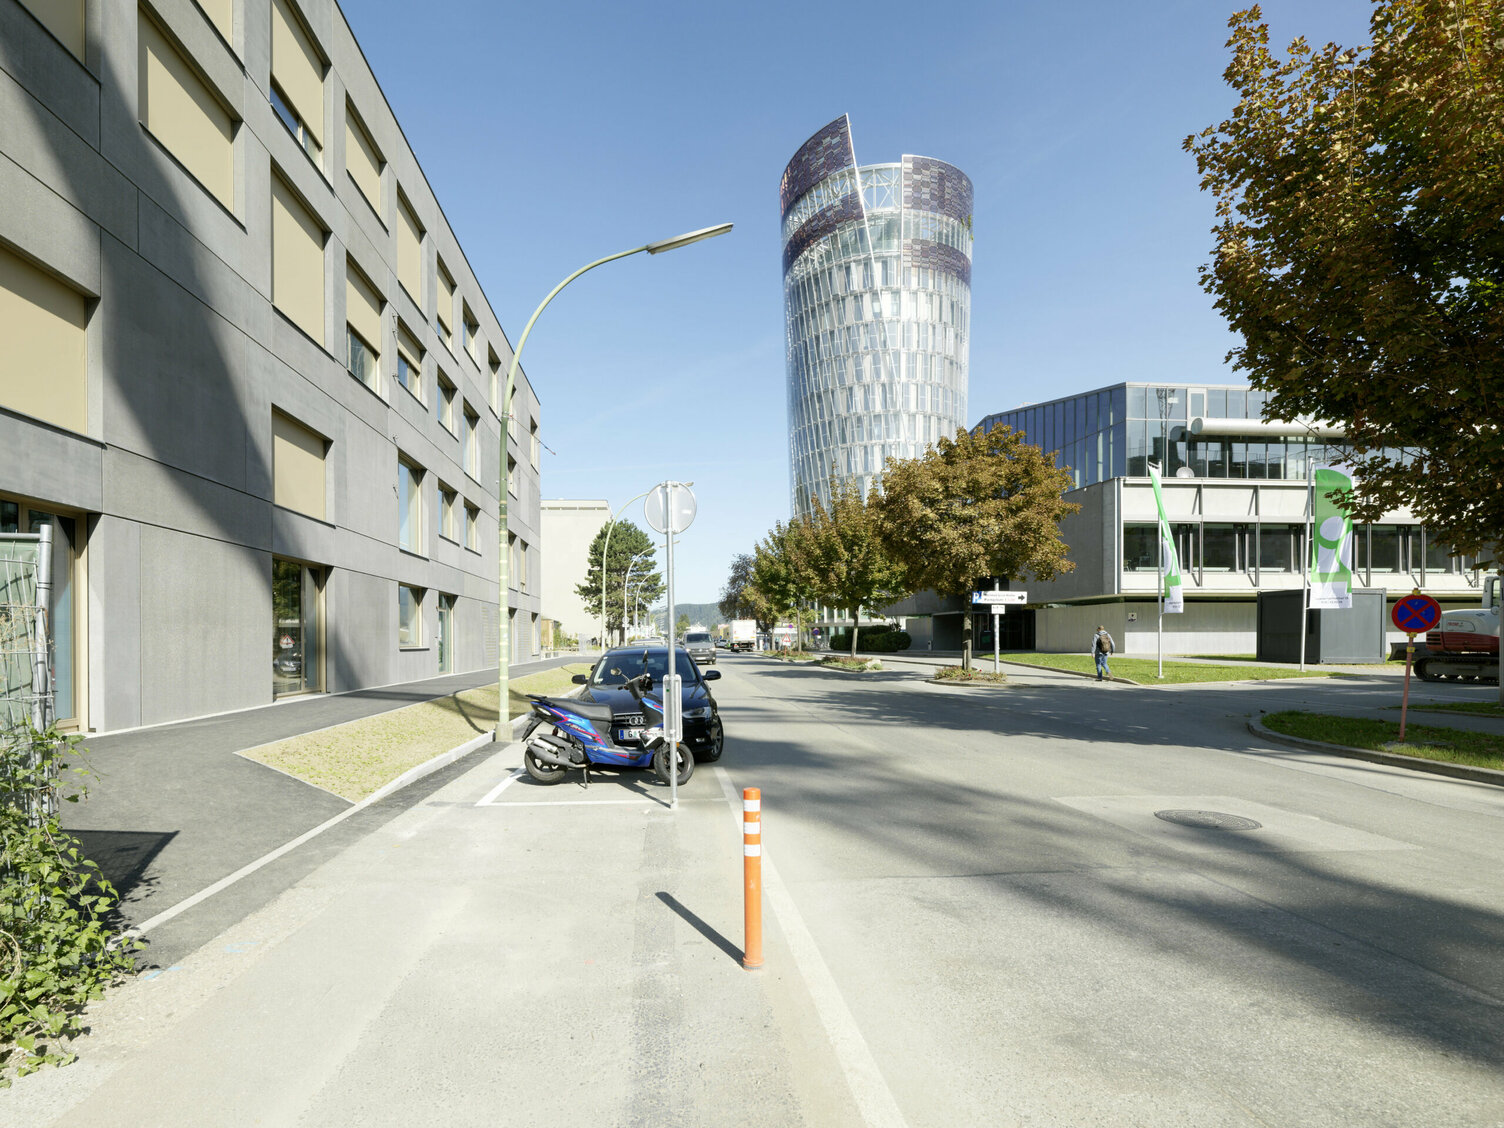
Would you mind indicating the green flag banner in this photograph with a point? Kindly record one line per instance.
(1170, 578)
(1331, 560)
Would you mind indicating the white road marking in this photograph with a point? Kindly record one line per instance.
(874, 1100)
(500, 787)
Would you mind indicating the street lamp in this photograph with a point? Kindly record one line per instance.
(611, 528)
(503, 556)
(625, 584)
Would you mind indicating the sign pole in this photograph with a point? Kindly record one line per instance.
(997, 622)
(1405, 699)
(1305, 566)
(1415, 614)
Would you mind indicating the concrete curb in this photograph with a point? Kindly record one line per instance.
(1414, 763)
(965, 684)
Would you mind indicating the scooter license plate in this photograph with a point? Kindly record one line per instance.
(629, 734)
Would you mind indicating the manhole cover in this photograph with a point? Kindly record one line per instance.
(1208, 820)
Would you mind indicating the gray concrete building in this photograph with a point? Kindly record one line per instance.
(251, 380)
(568, 527)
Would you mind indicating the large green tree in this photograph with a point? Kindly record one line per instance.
(844, 558)
(1359, 250)
(646, 585)
(973, 506)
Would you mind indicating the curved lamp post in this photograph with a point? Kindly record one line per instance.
(625, 586)
(503, 553)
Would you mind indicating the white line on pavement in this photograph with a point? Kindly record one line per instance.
(500, 787)
(869, 1090)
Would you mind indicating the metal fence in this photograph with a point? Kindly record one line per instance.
(26, 702)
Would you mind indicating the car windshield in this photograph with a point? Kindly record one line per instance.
(697, 636)
(616, 667)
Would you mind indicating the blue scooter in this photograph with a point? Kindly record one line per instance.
(565, 733)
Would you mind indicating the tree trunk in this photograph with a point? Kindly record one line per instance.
(856, 622)
(966, 639)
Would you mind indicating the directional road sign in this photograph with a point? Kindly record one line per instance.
(1000, 597)
(1416, 614)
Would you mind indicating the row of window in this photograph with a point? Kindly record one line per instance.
(1253, 548)
(180, 109)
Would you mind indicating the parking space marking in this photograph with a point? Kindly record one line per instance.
(491, 795)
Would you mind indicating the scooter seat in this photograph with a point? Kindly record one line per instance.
(591, 709)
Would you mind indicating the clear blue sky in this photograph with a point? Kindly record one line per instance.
(556, 133)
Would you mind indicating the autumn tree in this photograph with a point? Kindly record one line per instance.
(1359, 254)
(627, 541)
(741, 599)
(844, 558)
(781, 575)
(972, 506)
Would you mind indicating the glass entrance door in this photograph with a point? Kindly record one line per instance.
(446, 634)
(297, 630)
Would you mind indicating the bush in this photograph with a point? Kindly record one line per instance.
(962, 674)
(882, 640)
(55, 947)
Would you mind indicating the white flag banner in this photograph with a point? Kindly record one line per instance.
(1331, 562)
(1171, 582)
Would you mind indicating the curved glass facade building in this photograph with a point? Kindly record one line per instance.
(877, 309)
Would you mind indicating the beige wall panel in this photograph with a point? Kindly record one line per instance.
(297, 262)
(64, 18)
(297, 467)
(298, 69)
(363, 309)
(222, 12)
(181, 113)
(409, 252)
(363, 162)
(42, 367)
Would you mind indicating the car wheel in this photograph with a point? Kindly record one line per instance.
(717, 743)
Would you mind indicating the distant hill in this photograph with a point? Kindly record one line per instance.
(707, 614)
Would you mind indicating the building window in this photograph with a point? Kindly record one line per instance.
(363, 312)
(66, 22)
(448, 519)
(1221, 547)
(533, 443)
(1386, 548)
(472, 528)
(443, 316)
(1140, 548)
(410, 506)
(363, 161)
(519, 564)
(470, 327)
(495, 387)
(43, 369)
(446, 404)
(297, 261)
(446, 633)
(472, 443)
(409, 250)
(1279, 545)
(511, 475)
(409, 616)
(409, 363)
(298, 457)
(221, 14)
(179, 110)
(297, 629)
(297, 91)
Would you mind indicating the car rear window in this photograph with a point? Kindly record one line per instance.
(697, 636)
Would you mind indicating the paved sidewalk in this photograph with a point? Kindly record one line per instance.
(172, 808)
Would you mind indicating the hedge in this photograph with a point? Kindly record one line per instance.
(883, 640)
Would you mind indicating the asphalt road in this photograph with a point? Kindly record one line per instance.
(975, 917)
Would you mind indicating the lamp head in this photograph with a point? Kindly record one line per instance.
(687, 238)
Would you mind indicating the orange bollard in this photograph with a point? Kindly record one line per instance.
(752, 875)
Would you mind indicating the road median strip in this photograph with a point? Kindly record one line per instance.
(1458, 753)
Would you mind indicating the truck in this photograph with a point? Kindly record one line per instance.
(1465, 644)
(743, 634)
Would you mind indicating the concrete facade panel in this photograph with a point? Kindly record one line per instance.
(49, 464)
(42, 225)
(42, 65)
(142, 489)
(114, 550)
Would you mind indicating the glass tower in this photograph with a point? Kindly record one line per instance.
(877, 310)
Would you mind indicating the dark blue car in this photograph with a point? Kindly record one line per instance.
(702, 718)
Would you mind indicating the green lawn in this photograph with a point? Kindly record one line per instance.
(1429, 742)
(1480, 708)
(1143, 671)
(353, 760)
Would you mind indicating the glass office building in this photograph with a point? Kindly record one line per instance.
(877, 309)
(1117, 431)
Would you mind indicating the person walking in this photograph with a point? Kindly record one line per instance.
(1101, 649)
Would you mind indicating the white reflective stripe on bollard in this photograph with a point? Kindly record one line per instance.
(752, 849)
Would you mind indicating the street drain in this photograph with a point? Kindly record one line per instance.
(1208, 820)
